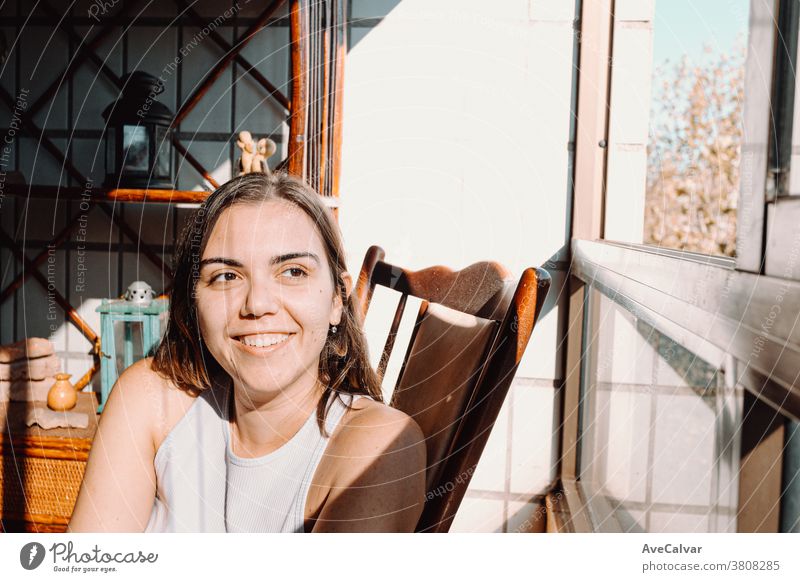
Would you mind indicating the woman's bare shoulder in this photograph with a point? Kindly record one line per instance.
(144, 391)
(374, 477)
(371, 428)
(368, 412)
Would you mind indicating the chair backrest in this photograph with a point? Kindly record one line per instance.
(467, 333)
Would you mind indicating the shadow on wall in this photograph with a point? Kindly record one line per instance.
(364, 15)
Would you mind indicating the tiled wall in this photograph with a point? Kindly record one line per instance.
(506, 492)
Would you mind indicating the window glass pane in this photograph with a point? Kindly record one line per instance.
(163, 149)
(675, 127)
(695, 127)
(129, 344)
(658, 426)
(135, 148)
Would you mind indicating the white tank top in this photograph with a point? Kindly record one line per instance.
(201, 486)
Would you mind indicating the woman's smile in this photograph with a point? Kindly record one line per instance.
(263, 343)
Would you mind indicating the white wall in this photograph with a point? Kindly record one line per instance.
(632, 69)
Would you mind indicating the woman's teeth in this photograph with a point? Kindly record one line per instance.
(264, 340)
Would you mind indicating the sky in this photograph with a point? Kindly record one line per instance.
(684, 26)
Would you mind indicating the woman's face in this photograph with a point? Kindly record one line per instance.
(265, 297)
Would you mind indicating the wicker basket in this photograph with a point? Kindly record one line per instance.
(42, 470)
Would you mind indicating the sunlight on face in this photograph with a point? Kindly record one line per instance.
(265, 297)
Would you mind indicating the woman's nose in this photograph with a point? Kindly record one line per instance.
(262, 298)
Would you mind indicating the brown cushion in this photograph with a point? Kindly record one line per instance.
(439, 375)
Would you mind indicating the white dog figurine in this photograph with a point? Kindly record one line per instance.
(140, 293)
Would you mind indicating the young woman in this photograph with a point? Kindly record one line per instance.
(259, 410)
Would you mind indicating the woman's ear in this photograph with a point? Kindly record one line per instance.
(348, 283)
(338, 306)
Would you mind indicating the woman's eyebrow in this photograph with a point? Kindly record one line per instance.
(223, 260)
(276, 260)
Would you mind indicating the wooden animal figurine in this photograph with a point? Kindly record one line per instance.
(264, 150)
(248, 147)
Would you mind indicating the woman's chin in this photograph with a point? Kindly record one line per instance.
(258, 378)
(264, 381)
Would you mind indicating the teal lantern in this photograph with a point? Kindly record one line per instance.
(141, 332)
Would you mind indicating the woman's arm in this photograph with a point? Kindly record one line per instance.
(379, 476)
(118, 488)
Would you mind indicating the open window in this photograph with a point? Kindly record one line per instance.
(680, 402)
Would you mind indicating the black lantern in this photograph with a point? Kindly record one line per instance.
(138, 136)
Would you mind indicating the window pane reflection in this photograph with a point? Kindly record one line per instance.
(658, 427)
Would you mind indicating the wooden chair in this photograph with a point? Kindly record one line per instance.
(467, 333)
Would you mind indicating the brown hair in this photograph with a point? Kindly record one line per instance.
(182, 355)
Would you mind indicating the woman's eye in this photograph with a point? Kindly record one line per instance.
(225, 277)
(294, 273)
